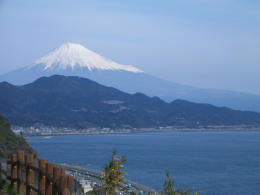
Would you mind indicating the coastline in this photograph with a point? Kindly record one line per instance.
(144, 131)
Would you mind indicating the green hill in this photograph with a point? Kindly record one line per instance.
(10, 142)
(73, 102)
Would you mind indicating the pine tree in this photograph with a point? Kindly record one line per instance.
(112, 175)
(169, 188)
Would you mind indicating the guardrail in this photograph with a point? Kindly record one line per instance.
(44, 178)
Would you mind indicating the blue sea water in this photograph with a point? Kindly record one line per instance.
(213, 162)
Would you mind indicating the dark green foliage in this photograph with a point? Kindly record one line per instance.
(9, 142)
(61, 101)
(7, 188)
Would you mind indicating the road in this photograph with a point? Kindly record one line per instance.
(93, 178)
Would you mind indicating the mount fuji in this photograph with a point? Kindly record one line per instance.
(75, 60)
(69, 59)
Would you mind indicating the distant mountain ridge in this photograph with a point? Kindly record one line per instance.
(75, 60)
(75, 102)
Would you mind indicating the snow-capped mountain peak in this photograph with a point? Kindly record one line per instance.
(71, 55)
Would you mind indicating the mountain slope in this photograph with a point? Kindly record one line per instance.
(61, 101)
(9, 142)
(76, 60)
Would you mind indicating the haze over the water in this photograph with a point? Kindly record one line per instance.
(209, 44)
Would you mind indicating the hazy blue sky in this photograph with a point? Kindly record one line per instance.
(205, 43)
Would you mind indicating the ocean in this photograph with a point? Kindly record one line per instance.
(212, 162)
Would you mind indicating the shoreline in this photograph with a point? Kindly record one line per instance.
(253, 130)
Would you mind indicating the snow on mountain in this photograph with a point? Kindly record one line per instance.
(76, 60)
(71, 55)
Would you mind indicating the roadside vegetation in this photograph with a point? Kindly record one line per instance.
(113, 175)
(8, 189)
(170, 189)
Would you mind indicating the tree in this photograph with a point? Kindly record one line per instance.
(169, 188)
(112, 175)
